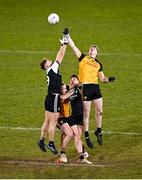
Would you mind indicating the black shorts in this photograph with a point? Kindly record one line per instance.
(91, 92)
(62, 120)
(76, 120)
(52, 103)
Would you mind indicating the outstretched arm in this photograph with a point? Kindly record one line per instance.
(74, 48)
(61, 53)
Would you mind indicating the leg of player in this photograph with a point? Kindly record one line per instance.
(86, 114)
(66, 136)
(51, 131)
(65, 128)
(78, 145)
(44, 130)
(81, 130)
(77, 140)
(98, 103)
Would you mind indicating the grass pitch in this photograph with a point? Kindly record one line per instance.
(26, 37)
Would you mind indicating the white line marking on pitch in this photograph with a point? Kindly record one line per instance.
(20, 128)
(44, 163)
(38, 129)
(51, 52)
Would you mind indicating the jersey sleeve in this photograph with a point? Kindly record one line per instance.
(101, 66)
(54, 67)
(81, 57)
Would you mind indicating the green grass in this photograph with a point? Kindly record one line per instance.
(115, 26)
(121, 158)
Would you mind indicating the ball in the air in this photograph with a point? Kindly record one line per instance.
(53, 18)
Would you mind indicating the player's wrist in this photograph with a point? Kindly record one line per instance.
(111, 79)
(66, 31)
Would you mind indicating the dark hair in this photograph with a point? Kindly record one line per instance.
(42, 64)
(62, 84)
(67, 87)
(74, 75)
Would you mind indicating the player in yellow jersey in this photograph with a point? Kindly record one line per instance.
(90, 71)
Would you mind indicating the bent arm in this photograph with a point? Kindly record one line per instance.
(102, 77)
(67, 95)
(74, 48)
(61, 53)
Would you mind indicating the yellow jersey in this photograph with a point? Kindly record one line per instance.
(89, 69)
(65, 108)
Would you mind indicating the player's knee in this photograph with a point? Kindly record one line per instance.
(51, 129)
(70, 135)
(44, 128)
(99, 113)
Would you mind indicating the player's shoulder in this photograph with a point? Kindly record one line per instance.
(82, 56)
(101, 66)
(98, 61)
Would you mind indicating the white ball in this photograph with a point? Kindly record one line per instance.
(53, 18)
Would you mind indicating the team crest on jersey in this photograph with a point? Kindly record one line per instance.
(84, 97)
